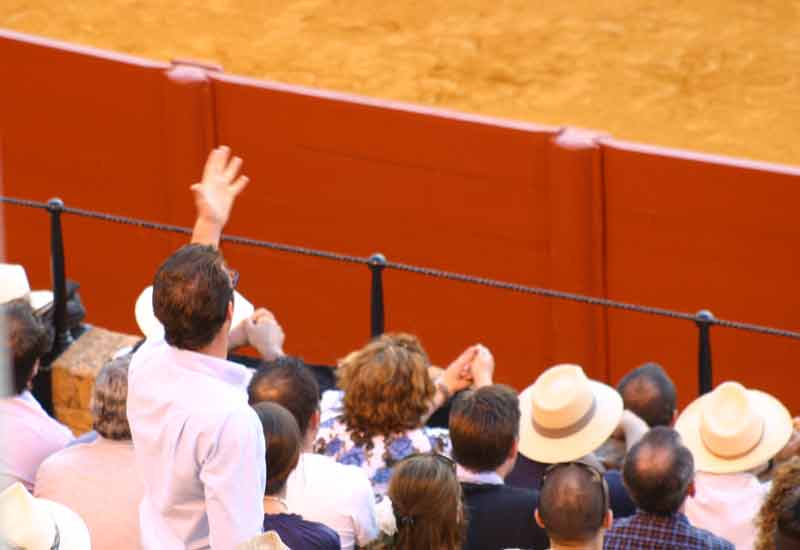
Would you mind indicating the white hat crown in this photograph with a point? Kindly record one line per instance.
(22, 523)
(730, 424)
(562, 399)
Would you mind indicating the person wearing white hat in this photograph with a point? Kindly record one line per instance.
(732, 432)
(14, 284)
(39, 524)
(565, 416)
(28, 434)
(199, 447)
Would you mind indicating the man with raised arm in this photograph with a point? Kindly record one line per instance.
(199, 446)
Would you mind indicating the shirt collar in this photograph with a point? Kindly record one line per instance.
(479, 478)
(227, 371)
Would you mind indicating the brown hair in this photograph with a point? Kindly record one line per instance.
(427, 502)
(283, 443)
(109, 400)
(387, 388)
(787, 478)
(483, 427)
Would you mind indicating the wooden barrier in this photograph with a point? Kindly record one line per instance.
(563, 209)
(688, 232)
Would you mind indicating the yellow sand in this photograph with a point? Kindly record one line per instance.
(720, 76)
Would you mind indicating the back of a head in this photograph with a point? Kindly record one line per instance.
(109, 400)
(658, 470)
(573, 503)
(191, 293)
(387, 388)
(484, 424)
(289, 383)
(649, 392)
(283, 443)
(426, 499)
(28, 340)
(787, 530)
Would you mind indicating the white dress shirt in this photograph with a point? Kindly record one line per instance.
(99, 482)
(322, 490)
(199, 449)
(28, 435)
(727, 505)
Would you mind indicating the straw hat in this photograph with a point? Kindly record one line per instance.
(151, 327)
(37, 523)
(565, 415)
(270, 540)
(14, 284)
(733, 429)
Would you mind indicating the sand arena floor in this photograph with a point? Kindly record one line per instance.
(719, 76)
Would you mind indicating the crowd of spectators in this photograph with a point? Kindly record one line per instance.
(190, 449)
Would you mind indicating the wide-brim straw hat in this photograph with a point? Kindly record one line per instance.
(733, 429)
(565, 415)
(14, 284)
(151, 327)
(37, 523)
(270, 540)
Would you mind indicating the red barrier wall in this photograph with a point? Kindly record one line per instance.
(690, 232)
(561, 209)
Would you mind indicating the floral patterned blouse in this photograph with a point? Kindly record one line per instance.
(333, 439)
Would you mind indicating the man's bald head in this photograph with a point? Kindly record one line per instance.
(573, 504)
(658, 471)
(649, 393)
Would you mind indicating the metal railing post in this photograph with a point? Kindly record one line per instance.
(704, 319)
(57, 265)
(377, 263)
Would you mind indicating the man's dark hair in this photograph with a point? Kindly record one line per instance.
(28, 340)
(483, 427)
(648, 392)
(191, 293)
(289, 383)
(658, 470)
(573, 503)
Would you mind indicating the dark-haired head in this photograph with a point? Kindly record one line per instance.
(288, 382)
(426, 498)
(659, 471)
(192, 296)
(573, 504)
(649, 392)
(28, 340)
(484, 427)
(283, 444)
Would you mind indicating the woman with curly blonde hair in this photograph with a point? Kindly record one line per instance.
(782, 494)
(386, 396)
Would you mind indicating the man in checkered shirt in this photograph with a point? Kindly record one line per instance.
(659, 474)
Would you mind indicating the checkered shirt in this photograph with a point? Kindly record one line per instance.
(651, 532)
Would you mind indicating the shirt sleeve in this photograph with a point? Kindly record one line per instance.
(234, 476)
(365, 519)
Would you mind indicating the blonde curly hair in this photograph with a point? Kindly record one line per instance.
(387, 389)
(786, 479)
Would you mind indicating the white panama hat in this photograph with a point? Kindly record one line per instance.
(270, 540)
(565, 416)
(733, 429)
(14, 284)
(38, 524)
(151, 327)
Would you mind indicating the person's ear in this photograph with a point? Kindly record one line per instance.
(539, 521)
(512, 453)
(674, 418)
(313, 425)
(609, 519)
(229, 314)
(691, 489)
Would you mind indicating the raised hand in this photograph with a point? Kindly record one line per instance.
(482, 367)
(457, 375)
(215, 194)
(265, 334)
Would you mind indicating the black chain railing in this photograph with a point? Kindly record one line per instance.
(377, 264)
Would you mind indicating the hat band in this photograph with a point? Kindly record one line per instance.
(733, 456)
(571, 429)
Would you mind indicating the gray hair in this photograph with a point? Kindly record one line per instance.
(110, 398)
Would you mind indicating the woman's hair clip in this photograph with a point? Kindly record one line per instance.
(407, 520)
